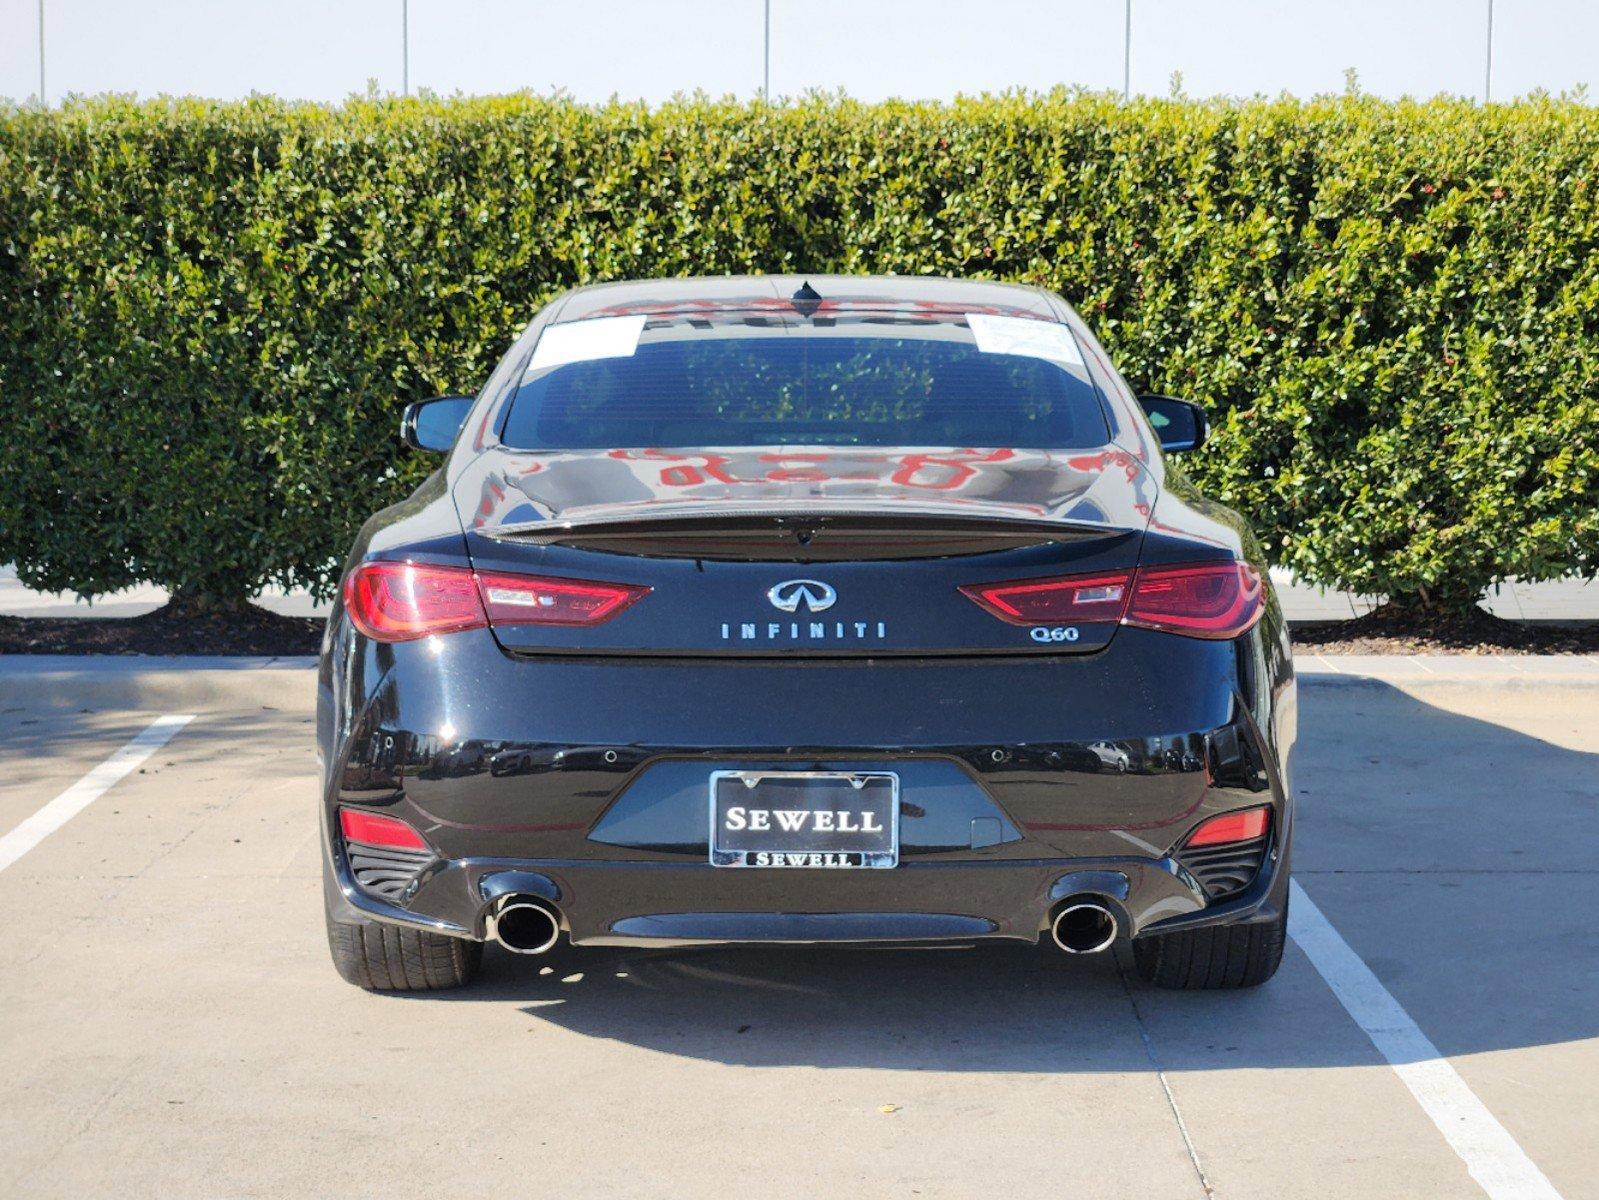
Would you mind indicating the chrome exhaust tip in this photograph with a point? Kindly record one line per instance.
(524, 925)
(1084, 927)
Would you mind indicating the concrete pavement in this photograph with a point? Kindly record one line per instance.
(173, 1027)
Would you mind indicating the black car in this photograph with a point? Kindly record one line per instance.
(806, 610)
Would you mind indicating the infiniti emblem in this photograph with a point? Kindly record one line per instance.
(815, 595)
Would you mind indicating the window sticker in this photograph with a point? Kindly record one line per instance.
(1024, 336)
(584, 341)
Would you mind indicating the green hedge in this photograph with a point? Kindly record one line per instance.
(211, 313)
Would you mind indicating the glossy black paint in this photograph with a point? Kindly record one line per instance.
(553, 762)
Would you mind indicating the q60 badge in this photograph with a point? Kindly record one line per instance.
(1053, 633)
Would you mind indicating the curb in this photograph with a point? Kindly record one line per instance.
(24, 665)
(1424, 670)
(93, 683)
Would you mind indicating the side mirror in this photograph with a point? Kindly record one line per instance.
(433, 424)
(1178, 424)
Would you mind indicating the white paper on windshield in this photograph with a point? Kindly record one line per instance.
(584, 341)
(1022, 335)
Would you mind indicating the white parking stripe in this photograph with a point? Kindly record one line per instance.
(89, 789)
(1493, 1157)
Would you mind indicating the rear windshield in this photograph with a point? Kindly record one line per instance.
(950, 379)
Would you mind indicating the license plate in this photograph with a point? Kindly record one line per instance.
(815, 819)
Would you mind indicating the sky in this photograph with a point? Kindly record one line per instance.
(649, 49)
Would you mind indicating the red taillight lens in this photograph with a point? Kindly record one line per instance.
(534, 600)
(399, 602)
(1074, 599)
(1243, 826)
(1205, 600)
(374, 830)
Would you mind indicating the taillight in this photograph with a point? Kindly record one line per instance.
(534, 600)
(1075, 599)
(1205, 600)
(399, 602)
(1243, 826)
(374, 830)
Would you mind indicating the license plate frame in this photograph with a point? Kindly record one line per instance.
(748, 856)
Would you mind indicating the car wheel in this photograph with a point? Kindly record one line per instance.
(1216, 956)
(389, 958)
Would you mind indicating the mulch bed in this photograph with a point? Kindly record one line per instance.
(171, 629)
(1394, 631)
(186, 629)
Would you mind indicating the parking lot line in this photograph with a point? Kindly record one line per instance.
(90, 788)
(1494, 1158)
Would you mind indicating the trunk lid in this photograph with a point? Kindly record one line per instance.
(813, 551)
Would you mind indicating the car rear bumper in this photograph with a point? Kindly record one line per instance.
(624, 903)
(582, 782)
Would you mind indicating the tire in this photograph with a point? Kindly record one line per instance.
(1213, 957)
(389, 958)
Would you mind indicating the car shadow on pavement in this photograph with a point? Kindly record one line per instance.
(1007, 1010)
(1454, 854)
(986, 1009)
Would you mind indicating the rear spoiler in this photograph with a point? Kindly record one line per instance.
(732, 530)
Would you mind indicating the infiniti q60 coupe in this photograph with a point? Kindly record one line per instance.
(806, 610)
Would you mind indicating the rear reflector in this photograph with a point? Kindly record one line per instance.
(374, 830)
(1076, 599)
(1205, 600)
(1243, 826)
(400, 602)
